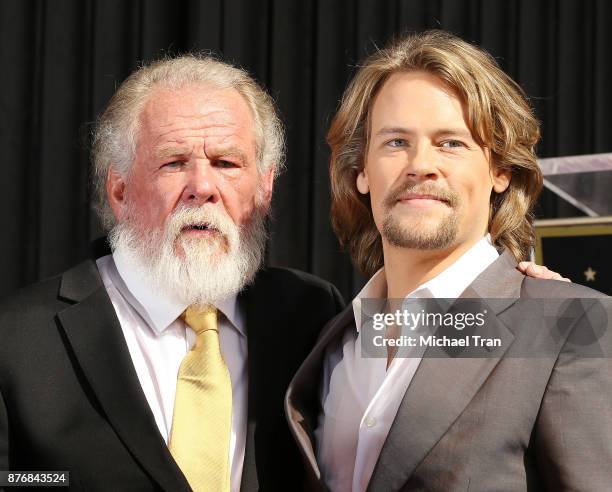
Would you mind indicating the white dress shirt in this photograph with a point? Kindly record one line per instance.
(158, 340)
(361, 396)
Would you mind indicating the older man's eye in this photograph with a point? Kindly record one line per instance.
(225, 164)
(173, 165)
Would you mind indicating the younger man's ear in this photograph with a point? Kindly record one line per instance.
(363, 185)
(501, 179)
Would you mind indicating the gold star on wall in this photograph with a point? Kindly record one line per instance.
(589, 274)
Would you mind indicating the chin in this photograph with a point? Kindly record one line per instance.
(422, 224)
(424, 233)
(205, 248)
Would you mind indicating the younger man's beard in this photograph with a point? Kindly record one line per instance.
(420, 233)
(194, 270)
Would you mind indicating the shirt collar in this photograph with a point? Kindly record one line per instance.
(158, 310)
(448, 284)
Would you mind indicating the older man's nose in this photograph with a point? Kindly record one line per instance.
(201, 185)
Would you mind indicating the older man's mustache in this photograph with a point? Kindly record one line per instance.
(427, 190)
(200, 218)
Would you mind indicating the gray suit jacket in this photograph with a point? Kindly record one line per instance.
(498, 423)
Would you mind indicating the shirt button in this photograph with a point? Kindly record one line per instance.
(370, 421)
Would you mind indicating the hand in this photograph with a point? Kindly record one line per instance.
(530, 269)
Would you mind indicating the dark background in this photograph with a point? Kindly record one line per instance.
(62, 59)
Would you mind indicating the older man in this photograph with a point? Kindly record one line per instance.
(433, 177)
(163, 366)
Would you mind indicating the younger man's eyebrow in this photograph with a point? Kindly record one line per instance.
(400, 130)
(393, 130)
(454, 132)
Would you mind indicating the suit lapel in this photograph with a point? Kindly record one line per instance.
(93, 331)
(260, 336)
(265, 329)
(249, 480)
(302, 403)
(442, 387)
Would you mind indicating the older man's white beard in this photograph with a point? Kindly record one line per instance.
(208, 270)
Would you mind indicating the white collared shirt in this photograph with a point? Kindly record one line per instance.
(158, 340)
(360, 396)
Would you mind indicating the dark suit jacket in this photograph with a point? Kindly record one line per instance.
(70, 397)
(492, 423)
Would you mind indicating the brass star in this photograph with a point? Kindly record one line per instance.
(589, 274)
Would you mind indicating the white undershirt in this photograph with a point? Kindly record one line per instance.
(157, 341)
(360, 396)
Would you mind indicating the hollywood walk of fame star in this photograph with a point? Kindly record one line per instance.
(589, 274)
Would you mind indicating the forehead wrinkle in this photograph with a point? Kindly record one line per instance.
(196, 138)
(216, 115)
(191, 122)
(152, 119)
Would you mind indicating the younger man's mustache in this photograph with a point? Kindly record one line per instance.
(434, 191)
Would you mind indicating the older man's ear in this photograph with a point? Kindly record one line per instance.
(530, 269)
(268, 186)
(115, 191)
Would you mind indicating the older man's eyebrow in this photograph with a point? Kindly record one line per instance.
(213, 152)
(171, 151)
(228, 152)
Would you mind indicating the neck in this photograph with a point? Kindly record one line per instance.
(406, 269)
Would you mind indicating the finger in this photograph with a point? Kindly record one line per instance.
(534, 270)
(523, 265)
(540, 271)
(547, 274)
(556, 276)
(530, 268)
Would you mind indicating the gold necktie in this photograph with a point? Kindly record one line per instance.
(200, 436)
